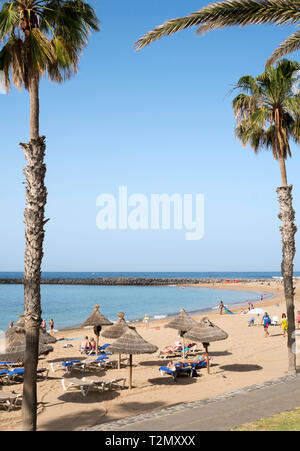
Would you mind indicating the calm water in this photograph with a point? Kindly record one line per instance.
(70, 305)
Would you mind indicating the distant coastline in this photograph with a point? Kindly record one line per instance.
(133, 281)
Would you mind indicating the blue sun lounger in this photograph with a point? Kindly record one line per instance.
(102, 348)
(186, 371)
(10, 375)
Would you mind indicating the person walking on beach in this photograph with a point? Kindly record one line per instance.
(221, 307)
(266, 320)
(146, 320)
(284, 324)
(51, 325)
(44, 326)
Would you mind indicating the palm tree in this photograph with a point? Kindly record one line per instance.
(267, 116)
(246, 12)
(39, 36)
(236, 12)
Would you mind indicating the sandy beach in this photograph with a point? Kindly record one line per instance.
(245, 358)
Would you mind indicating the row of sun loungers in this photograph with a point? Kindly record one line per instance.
(89, 363)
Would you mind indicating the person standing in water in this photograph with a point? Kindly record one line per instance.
(221, 307)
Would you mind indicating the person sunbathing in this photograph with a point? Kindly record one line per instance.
(92, 344)
(85, 344)
(172, 366)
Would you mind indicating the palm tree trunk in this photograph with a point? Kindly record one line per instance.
(36, 196)
(288, 230)
(283, 172)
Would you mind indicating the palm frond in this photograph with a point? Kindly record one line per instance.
(290, 45)
(9, 19)
(228, 13)
(44, 36)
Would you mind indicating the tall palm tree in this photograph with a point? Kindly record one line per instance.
(235, 12)
(246, 12)
(267, 116)
(39, 37)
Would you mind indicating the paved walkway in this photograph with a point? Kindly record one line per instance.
(223, 413)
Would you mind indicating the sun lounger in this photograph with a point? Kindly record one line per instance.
(9, 400)
(103, 348)
(86, 383)
(179, 371)
(9, 364)
(66, 365)
(90, 362)
(275, 321)
(10, 375)
(176, 350)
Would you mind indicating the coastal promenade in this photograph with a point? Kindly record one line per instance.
(223, 413)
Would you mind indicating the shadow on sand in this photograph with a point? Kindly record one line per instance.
(241, 368)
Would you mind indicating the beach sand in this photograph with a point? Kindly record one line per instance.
(244, 359)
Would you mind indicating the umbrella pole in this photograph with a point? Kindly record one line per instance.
(130, 371)
(119, 362)
(207, 357)
(183, 342)
(97, 344)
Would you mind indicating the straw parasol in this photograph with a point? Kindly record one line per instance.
(206, 332)
(17, 353)
(96, 320)
(131, 343)
(15, 336)
(182, 323)
(116, 330)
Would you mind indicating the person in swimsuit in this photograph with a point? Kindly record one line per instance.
(92, 344)
(221, 307)
(51, 325)
(44, 325)
(146, 320)
(85, 344)
(284, 324)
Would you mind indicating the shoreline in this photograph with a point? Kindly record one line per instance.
(168, 316)
(169, 313)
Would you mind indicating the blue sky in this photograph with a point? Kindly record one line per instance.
(158, 121)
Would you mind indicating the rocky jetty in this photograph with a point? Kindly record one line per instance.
(133, 281)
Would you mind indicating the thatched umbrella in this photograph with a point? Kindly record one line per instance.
(131, 343)
(182, 323)
(15, 336)
(17, 353)
(116, 330)
(96, 320)
(206, 332)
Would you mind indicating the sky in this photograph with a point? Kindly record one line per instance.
(156, 121)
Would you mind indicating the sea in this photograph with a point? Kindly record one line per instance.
(70, 305)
